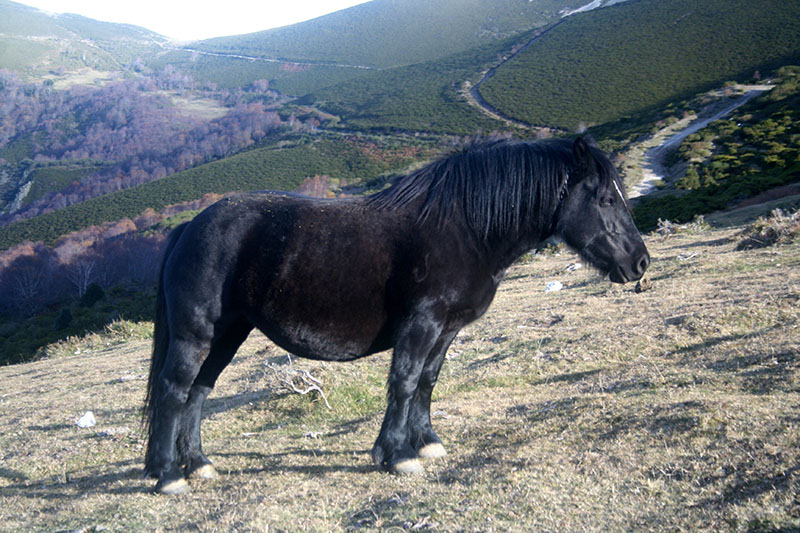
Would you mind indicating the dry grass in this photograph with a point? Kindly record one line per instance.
(590, 409)
(777, 228)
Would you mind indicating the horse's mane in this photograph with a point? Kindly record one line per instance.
(497, 184)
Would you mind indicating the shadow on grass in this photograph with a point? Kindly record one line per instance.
(358, 462)
(699, 244)
(49, 427)
(74, 485)
(491, 360)
(714, 341)
(570, 378)
(384, 514)
(227, 403)
(763, 372)
(12, 475)
(747, 482)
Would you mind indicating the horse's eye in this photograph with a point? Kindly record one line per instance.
(607, 201)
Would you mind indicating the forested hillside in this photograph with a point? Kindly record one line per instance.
(600, 66)
(58, 148)
(280, 165)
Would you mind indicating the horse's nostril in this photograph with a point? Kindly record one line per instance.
(644, 262)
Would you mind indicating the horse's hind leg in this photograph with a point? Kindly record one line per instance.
(190, 449)
(423, 438)
(183, 362)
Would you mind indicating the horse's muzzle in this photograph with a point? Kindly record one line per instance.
(634, 272)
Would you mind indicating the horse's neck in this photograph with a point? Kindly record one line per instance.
(493, 254)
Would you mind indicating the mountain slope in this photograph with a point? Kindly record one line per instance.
(348, 44)
(36, 42)
(598, 67)
(387, 33)
(281, 166)
(590, 68)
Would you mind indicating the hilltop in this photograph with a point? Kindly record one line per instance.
(592, 408)
(377, 35)
(37, 43)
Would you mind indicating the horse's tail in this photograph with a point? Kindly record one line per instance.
(160, 341)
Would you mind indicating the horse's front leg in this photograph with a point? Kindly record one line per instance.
(423, 438)
(393, 449)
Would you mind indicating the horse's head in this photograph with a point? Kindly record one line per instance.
(595, 218)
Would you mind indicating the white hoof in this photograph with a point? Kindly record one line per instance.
(432, 451)
(407, 467)
(171, 488)
(205, 472)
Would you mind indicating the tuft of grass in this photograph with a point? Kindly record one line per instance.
(115, 333)
(777, 228)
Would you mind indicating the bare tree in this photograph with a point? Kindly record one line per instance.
(28, 282)
(81, 273)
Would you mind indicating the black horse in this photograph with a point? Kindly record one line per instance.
(336, 280)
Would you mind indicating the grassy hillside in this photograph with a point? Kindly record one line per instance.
(589, 409)
(36, 43)
(600, 66)
(389, 33)
(276, 167)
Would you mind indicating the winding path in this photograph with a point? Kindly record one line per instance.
(475, 95)
(473, 92)
(653, 167)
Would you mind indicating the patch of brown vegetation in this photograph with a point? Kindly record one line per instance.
(773, 194)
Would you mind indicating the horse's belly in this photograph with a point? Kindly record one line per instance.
(334, 340)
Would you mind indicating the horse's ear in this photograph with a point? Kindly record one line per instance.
(582, 153)
(590, 140)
